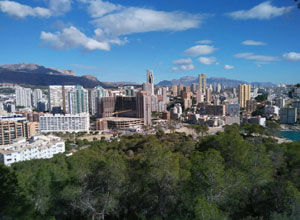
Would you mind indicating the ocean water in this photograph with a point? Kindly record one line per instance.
(291, 135)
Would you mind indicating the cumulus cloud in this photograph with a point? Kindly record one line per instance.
(18, 10)
(71, 38)
(228, 67)
(15, 9)
(184, 68)
(263, 11)
(292, 56)
(207, 60)
(199, 50)
(204, 42)
(183, 61)
(256, 57)
(253, 43)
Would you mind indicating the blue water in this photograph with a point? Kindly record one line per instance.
(291, 135)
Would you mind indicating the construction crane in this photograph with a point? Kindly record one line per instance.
(118, 112)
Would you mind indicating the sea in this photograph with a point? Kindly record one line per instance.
(291, 135)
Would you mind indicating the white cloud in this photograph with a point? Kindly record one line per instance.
(59, 7)
(204, 42)
(199, 50)
(183, 61)
(139, 20)
(71, 38)
(253, 43)
(18, 10)
(207, 60)
(15, 9)
(263, 11)
(256, 57)
(184, 67)
(98, 8)
(228, 67)
(292, 56)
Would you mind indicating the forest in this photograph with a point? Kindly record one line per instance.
(232, 175)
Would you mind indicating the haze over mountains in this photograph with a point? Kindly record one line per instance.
(34, 74)
(188, 80)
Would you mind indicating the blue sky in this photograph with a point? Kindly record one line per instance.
(118, 40)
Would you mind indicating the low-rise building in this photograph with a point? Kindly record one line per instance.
(121, 123)
(38, 147)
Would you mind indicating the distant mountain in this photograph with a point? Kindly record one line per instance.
(188, 80)
(33, 74)
(35, 68)
(47, 79)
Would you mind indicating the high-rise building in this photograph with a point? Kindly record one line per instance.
(143, 102)
(150, 80)
(208, 95)
(96, 93)
(244, 94)
(175, 90)
(37, 95)
(59, 97)
(55, 97)
(78, 100)
(23, 97)
(66, 98)
(10, 130)
(129, 91)
(202, 82)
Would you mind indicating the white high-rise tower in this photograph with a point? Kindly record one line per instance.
(150, 80)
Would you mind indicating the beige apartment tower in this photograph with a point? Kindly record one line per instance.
(244, 94)
(202, 82)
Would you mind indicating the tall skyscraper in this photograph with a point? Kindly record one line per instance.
(244, 94)
(59, 97)
(55, 97)
(202, 82)
(37, 95)
(143, 102)
(150, 80)
(78, 100)
(96, 93)
(65, 95)
(208, 96)
(23, 97)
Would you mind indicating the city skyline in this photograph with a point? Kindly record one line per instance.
(118, 40)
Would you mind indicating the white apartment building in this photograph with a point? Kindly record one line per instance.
(38, 147)
(65, 123)
(23, 97)
(37, 95)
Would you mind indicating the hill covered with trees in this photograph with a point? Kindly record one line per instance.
(230, 175)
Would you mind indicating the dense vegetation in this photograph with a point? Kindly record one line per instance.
(231, 175)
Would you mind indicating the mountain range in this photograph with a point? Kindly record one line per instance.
(34, 74)
(189, 80)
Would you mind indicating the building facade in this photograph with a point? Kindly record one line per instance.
(38, 147)
(65, 123)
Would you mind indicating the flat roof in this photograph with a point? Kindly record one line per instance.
(120, 119)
